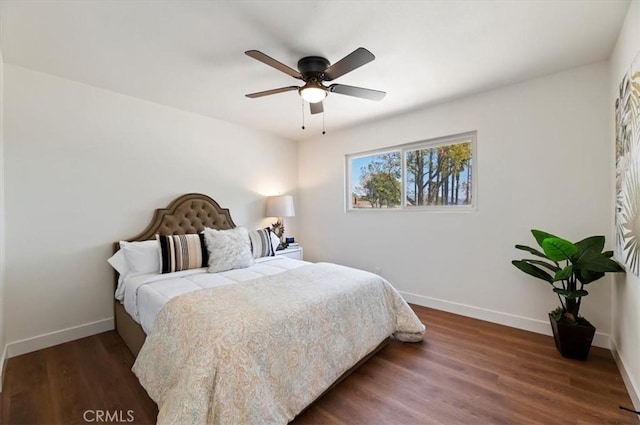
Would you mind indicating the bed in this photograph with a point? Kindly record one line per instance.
(262, 345)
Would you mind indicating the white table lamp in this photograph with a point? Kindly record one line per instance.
(280, 206)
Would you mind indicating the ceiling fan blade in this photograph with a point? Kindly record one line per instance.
(316, 108)
(257, 55)
(270, 92)
(353, 60)
(357, 92)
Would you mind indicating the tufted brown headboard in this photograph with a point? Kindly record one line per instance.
(189, 213)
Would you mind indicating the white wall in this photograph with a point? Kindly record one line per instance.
(2, 231)
(86, 167)
(626, 289)
(542, 163)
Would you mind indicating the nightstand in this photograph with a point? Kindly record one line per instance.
(295, 253)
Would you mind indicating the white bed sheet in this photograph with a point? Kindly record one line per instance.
(145, 294)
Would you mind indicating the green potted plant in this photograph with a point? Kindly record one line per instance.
(569, 267)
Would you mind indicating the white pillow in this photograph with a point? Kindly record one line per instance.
(142, 257)
(119, 262)
(228, 249)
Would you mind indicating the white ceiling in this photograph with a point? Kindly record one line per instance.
(190, 54)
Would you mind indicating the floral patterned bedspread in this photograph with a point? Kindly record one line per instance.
(261, 351)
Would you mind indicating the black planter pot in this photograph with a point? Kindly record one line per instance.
(572, 341)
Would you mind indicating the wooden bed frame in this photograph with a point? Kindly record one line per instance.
(187, 214)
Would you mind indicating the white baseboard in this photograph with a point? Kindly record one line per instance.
(634, 392)
(3, 365)
(39, 342)
(534, 325)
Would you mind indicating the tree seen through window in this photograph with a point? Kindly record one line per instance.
(427, 174)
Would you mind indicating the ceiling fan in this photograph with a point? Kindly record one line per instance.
(314, 70)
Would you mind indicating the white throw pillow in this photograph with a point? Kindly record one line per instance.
(228, 249)
(275, 241)
(142, 257)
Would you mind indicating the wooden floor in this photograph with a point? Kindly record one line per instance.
(466, 372)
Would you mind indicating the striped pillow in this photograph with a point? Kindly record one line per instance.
(182, 252)
(261, 243)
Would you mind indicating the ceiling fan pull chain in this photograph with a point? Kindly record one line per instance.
(323, 132)
(302, 103)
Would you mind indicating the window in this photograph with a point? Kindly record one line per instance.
(432, 174)
(376, 181)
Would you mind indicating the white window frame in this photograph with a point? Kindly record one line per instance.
(408, 147)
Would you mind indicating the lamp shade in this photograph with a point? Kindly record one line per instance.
(280, 206)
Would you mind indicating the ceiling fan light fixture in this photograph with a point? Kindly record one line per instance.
(313, 92)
